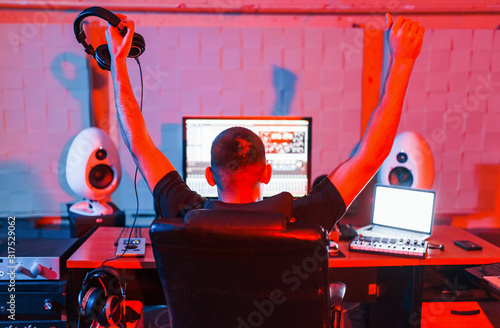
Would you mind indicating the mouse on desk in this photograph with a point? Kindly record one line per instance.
(334, 247)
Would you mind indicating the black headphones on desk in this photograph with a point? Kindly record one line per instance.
(102, 296)
(101, 53)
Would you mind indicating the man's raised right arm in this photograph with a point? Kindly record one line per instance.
(152, 163)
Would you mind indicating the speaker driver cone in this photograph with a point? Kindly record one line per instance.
(101, 176)
(401, 176)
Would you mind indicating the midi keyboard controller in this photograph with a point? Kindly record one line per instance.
(389, 246)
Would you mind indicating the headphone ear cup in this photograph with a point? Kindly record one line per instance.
(138, 46)
(111, 313)
(102, 294)
(93, 302)
(103, 57)
(81, 297)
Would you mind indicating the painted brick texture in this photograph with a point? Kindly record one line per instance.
(210, 69)
(187, 70)
(456, 110)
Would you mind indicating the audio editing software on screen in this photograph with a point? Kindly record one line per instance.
(287, 141)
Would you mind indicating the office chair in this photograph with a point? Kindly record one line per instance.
(226, 268)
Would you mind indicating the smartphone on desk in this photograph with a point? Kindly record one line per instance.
(468, 245)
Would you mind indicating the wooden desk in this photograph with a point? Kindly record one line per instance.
(454, 255)
(442, 235)
(100, 247)
(374, 276)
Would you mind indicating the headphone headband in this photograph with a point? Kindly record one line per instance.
(102, 55)
(92, 11)
(105, 269)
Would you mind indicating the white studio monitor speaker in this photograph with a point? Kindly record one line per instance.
(409, 164)
(93, 171)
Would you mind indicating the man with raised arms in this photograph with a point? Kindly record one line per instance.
(238, 166)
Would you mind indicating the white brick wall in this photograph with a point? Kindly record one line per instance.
(209, 66)
(188, 70)
(459, 111)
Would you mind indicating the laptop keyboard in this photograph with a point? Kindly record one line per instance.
(398, 233)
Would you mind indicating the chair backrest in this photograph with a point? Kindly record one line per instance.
(227, 268)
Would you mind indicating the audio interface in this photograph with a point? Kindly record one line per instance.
(134, 247)
(35, 259)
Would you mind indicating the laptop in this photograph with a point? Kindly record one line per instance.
(400, 212)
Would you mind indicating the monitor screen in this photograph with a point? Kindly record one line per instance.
(287, 141)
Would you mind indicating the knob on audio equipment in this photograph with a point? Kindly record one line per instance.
(24, 271)
(39, 270)
(36, 269)
(48, 304)
(19, 268)
(51, 305)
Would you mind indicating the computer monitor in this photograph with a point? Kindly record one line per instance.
(287, 141)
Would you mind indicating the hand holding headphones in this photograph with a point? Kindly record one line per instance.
(101, 53)
(120, 46)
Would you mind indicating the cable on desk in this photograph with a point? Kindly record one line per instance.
(119, 236)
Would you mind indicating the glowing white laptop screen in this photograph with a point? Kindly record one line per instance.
(409, 209)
